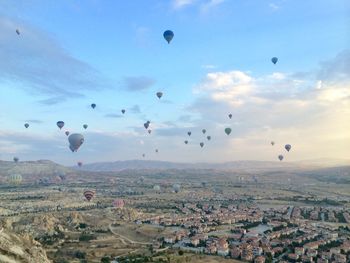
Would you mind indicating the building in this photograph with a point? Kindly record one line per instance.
(259, 259)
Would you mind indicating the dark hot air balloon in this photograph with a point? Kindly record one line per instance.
(75, 141)
(228, 131)
(168, 35)
(201, 144)
(159, 94)
(60, 124)
(67, 133)
(93, 105)
(26, 125)
(274, 60)
(280, 157)
(288, 147)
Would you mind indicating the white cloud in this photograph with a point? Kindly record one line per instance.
(177, 4)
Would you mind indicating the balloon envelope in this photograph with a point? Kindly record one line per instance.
(168, 35)
(189, 133)
(146, 125)
(15, 159)
(60, 124)
(208, 137)
(201, 144)
(93, 105)
(118, 203)
(280, 157)
(288, 147)
(186, 142)
(123, 111)
(274, 60)
(204, 131)
(79, 164)
(159, 94)
(228, 131)
(89, 194)
(26, 125)
(85, 126)
(272, 143)
(67, 133)
(230, 116)
(17, 31)
(75, 140)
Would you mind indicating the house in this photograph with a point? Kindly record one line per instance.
(169, 239)
(222, 247)
(235, 252)
(340, 258)
(259, 259)
(195, 241)
(293, 256)
(299, 251)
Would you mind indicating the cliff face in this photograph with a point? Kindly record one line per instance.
(20, 248)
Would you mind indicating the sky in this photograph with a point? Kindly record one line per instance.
(72, 53)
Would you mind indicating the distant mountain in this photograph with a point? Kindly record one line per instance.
(143, 164)
(339, 175)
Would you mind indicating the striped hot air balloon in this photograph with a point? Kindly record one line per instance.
(118, 203)
(89, 194)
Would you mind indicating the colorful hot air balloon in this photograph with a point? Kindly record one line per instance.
(118, 203)
(123, 111)
(280, 157)
(75, 141)
(15, 159)
(201, 144)
(85, 126)
(26, 125)
(67, 133)
(89, 194)
(159, 94)
(274, 60)
(288, 147)
(15, 179)
(93, 105)
(168, 35)
(228, 131)
(208, 137)
(204, 131)
(60, 124)
(230, 116)
(189, 133)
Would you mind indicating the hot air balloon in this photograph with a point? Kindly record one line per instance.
(67, 133)
(17, 31)
(143, 155)
(80, 164)
(85, 126)
(89, 194)
(146, 125)
(208, 137)
(156, 188)
(204, 131)
(201, 144)
(26, 125)
(118, 203)
(272, 143)
(186, 142)
(123, 111)
(230, 116)
(168, 35)
(156, 150)
(149, 131)
(60, 124)
(176, 188)
(15, 179)
(159, 94)
(15, 159)
(75, 141)
(280, 157)
(274, 60)
(93, 105)
(288, 147)
(189, 133)
(228, 131)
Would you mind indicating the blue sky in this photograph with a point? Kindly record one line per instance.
(73, 53)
